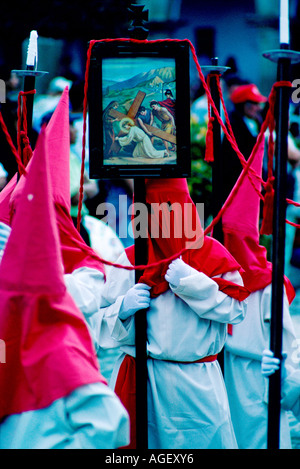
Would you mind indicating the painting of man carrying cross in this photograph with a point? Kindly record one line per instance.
(136, 87)
(133, 130)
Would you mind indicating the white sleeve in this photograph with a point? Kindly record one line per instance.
(291, 393)
(203, 296)
(290, 385)
(108, 328)
(85, 285)
(97, 418)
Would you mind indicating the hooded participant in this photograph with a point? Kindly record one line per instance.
(75, 252)
(52, 392)
(84, 272)
(246, 119)
(244, 347)
(190, 302)
(174, 225)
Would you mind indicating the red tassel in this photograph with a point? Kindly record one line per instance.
(27, 151)
(209, 150)
(267, 223)
(27, 154)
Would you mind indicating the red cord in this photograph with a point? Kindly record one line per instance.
(21, 167)
(228, 132)
(26, 154)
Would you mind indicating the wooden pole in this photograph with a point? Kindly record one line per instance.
(141, 258)
(138, 30)
(30, 75)
(29, 79)
(278, 250)
(217, 165)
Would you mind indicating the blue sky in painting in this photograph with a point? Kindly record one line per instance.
(125, 68)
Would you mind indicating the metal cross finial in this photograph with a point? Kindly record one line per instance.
(138, 28)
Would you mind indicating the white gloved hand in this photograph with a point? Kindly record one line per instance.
(270, 364)
(4, 234)
(177, 270)
(138, 297)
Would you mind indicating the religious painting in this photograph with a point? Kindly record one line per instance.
(139, 110)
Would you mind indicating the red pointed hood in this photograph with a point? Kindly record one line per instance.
(49, 352)
(241, 231)
(28, 241)
(58, 147)
(75, 251)
(174, 225)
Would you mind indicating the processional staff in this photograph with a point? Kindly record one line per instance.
(30, 75)
(29, 80)
(138, 30)
(284, 57)
(215, 72)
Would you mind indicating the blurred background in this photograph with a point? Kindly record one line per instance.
(229, 30)
(237, 32)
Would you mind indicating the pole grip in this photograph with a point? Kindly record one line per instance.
(141, 258)
(278, 250)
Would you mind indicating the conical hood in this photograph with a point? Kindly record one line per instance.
(49, 352)
(241, 232)
(58, 148)
(32, 258)
(75, 251)
(174, 226)
(243, 212)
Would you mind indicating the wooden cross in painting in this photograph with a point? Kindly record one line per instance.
(132, 112)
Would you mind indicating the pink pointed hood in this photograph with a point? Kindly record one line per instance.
(75, 252)
(173, 226)
(49, 352)
(241, 232)
(58, 147)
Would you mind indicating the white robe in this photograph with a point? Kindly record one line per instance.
(247, 388)
(187, 403)
(291, 392)
(91, 417)
(85, 286)
(144, 147)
